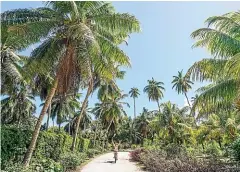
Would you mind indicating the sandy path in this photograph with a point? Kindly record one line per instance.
(104, 163)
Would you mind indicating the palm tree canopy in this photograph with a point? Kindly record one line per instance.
(181, 83)
(80, 37)
(221, 38)
(134, 92)
(154, 90)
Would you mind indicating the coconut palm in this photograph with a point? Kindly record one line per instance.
(182, 84)
(64, 108)
(85, 120)
(18, 108)
(221, 38)
(82, 38)
(110, 111)
(142, 123)
(154, 90)
(134, 93)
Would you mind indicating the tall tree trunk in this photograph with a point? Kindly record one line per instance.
(134, 108)
(159, 106)
(109, 126)
(53, 123)
(80, 117)
(106, 136)
(59, 127)
(35, 134)
(49, 113)
(187, 99)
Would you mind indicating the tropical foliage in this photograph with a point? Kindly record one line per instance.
(78, 55)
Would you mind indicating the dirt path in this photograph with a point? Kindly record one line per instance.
(104, 163)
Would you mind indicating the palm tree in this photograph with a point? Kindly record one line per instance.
(221, 38)
(142, 123)
(110, 111)
(85, 120)
(18, 108)
(64, 108)
(182, 84)
(134, 93)
(154, 90)
(82, 38)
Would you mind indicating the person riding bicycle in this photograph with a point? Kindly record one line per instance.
(115, 149)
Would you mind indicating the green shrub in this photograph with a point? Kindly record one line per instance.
(50, 145)
(84, 144)
(72, 160)
(133, 146)
(213, 149)
(92, 152)
(14, 143)
(43, 165)
(235, 149)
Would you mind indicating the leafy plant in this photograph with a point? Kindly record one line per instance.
(235, 149)
(72, 160)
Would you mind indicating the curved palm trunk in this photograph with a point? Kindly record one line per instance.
(32, 145)
(109, 126)
(134, 108)
(80, 117)
(49, 113)
(107, 132)
(187, 99)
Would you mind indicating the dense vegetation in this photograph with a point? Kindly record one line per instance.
(78, 52)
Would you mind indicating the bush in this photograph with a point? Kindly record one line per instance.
(135, 155)
(213, 149)
(133, 146)
(14, 143)
(72, 160)
(235, 149)
(157, 161)
(84, 144)
(44, 165)
(50, 145)
(92, 152)
(175, 151)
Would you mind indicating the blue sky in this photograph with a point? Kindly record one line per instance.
(164, 45)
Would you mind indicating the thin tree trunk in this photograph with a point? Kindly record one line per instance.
(53, 123)
(49, 113)
(109, 126)
(187, 99)
(158, 106)
(134, 108)
(35, 134)
(80, 116)
(59, 127)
